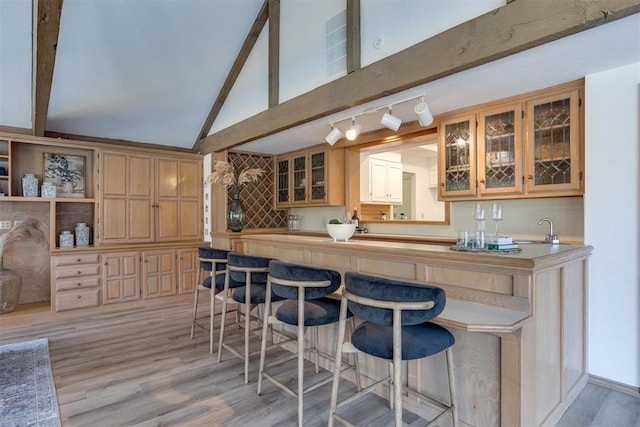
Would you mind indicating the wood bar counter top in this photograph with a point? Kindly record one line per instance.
(519, 319)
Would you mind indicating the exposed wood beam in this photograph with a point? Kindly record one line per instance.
(274, 53)
(353, 35)
(116, 142)
(513, 28)
(46, 26)
(236, 68)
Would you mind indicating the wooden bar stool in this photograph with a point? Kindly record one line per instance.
(247, 276)
(396, 327)
(313, 308)
(214, 262)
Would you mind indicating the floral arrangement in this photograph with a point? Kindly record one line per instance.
(225, 173)
(29, 229)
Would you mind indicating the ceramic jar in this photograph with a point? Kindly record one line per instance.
(29, 185)
(66, 239)
(82, 234)
(48, 189)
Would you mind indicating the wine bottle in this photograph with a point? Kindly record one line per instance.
(354, 218)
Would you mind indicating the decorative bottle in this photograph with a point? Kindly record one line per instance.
(66, 239)
(29, 185)
(82, 234)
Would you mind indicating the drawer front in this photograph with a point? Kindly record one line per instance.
(79, 283)
(77, 270)
(88, 258)
(71, 300)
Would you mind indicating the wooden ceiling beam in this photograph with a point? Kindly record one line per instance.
(513, 28)
(45, 27)
(353, 36)
(236, 68)
(274, 53)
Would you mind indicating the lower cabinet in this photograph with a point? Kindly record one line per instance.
(89, 279)
(76, 281)
(120, 277)
(159, 273)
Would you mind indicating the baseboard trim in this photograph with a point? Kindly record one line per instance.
(614, 385)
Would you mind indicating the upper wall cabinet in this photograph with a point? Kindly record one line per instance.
(147, 198)
(381, 178)
(313, 177)
(529, 146)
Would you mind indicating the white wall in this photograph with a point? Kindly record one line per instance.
(612, 222)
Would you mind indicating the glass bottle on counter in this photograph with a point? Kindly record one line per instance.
(354, 218)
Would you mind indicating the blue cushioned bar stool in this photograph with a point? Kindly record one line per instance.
(247, 276)
(214, 262)
(315, 308)
(396, 327)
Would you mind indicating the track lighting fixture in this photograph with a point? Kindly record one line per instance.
(334, 135)
(353, 132)
(424, 114)
(390, 121)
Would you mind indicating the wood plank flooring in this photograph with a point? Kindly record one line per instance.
(140, 367)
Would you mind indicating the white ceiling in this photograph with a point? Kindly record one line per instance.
(149, 71)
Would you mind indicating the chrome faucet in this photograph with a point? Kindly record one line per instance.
(551, 237)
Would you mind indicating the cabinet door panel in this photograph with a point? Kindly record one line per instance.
(115, 165)
(168, 219)
(140, 220)
(190, 182)
(167, 178)
(187, 269)
(189, 219)
(140, 176)
(158, 274)
(114, 219)
(121, 281)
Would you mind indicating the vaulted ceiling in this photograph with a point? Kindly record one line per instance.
(261, 75)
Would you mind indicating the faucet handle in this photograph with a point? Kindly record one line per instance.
(552, 238)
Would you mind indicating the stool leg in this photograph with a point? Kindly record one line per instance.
(195, 304)
(338, 362)
(212, 305)
(265, 325)
(452, 387)
(223, 314)
(353, 357)
(247, 326)
(397, 366)
(300, 357)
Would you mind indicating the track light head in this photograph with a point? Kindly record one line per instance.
(353, 131)
(424, 114)
(390, 121)
(333, 136)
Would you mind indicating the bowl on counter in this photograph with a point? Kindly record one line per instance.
(341, 232)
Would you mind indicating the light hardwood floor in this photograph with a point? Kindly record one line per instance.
(139, 367)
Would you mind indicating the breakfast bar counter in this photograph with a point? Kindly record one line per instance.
(519, 319)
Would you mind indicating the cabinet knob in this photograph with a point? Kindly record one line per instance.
(482, 181)
(78, 296)
(78, 272)
(78, 259)
(442, 184)
(530, 177)
(78, 284)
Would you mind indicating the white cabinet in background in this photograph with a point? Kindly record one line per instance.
(381, 179)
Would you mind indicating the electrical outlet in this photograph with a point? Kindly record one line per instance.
(5, 225)
(16, 222)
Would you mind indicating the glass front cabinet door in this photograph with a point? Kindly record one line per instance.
(282, 181)
(299, 163)
(318, 189)
(458, 159)
(500, 150)
(553, 144)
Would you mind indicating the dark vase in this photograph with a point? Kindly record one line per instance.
(10, 285)
(236, 217)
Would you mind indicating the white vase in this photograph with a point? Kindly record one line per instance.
(66, 239)
(29, 185)
(82, 234)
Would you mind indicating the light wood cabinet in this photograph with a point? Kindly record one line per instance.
(313, 177)
(76, 281)
(187, 263)
(120, 277)
(529, 146)
(148, 198)
(380, 180)
(158, 273)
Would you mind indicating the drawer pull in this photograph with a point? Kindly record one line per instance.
(78, 296)
(78, 259)
(78, 272)
(79, 284)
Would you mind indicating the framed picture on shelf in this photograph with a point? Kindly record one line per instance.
(66, 172)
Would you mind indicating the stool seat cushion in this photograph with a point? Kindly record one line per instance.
(241, 260)
(258, 294)
(393, 290)
(319, 311)
(212, 253)
(219, 282)
(418, 341)
(303, 273)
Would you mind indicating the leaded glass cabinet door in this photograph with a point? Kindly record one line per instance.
(457, 156)
(283, 165)
(318, 172)
(299, 164)
(499, 150)
(553, 145)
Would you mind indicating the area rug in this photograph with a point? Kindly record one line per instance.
(27, 391)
